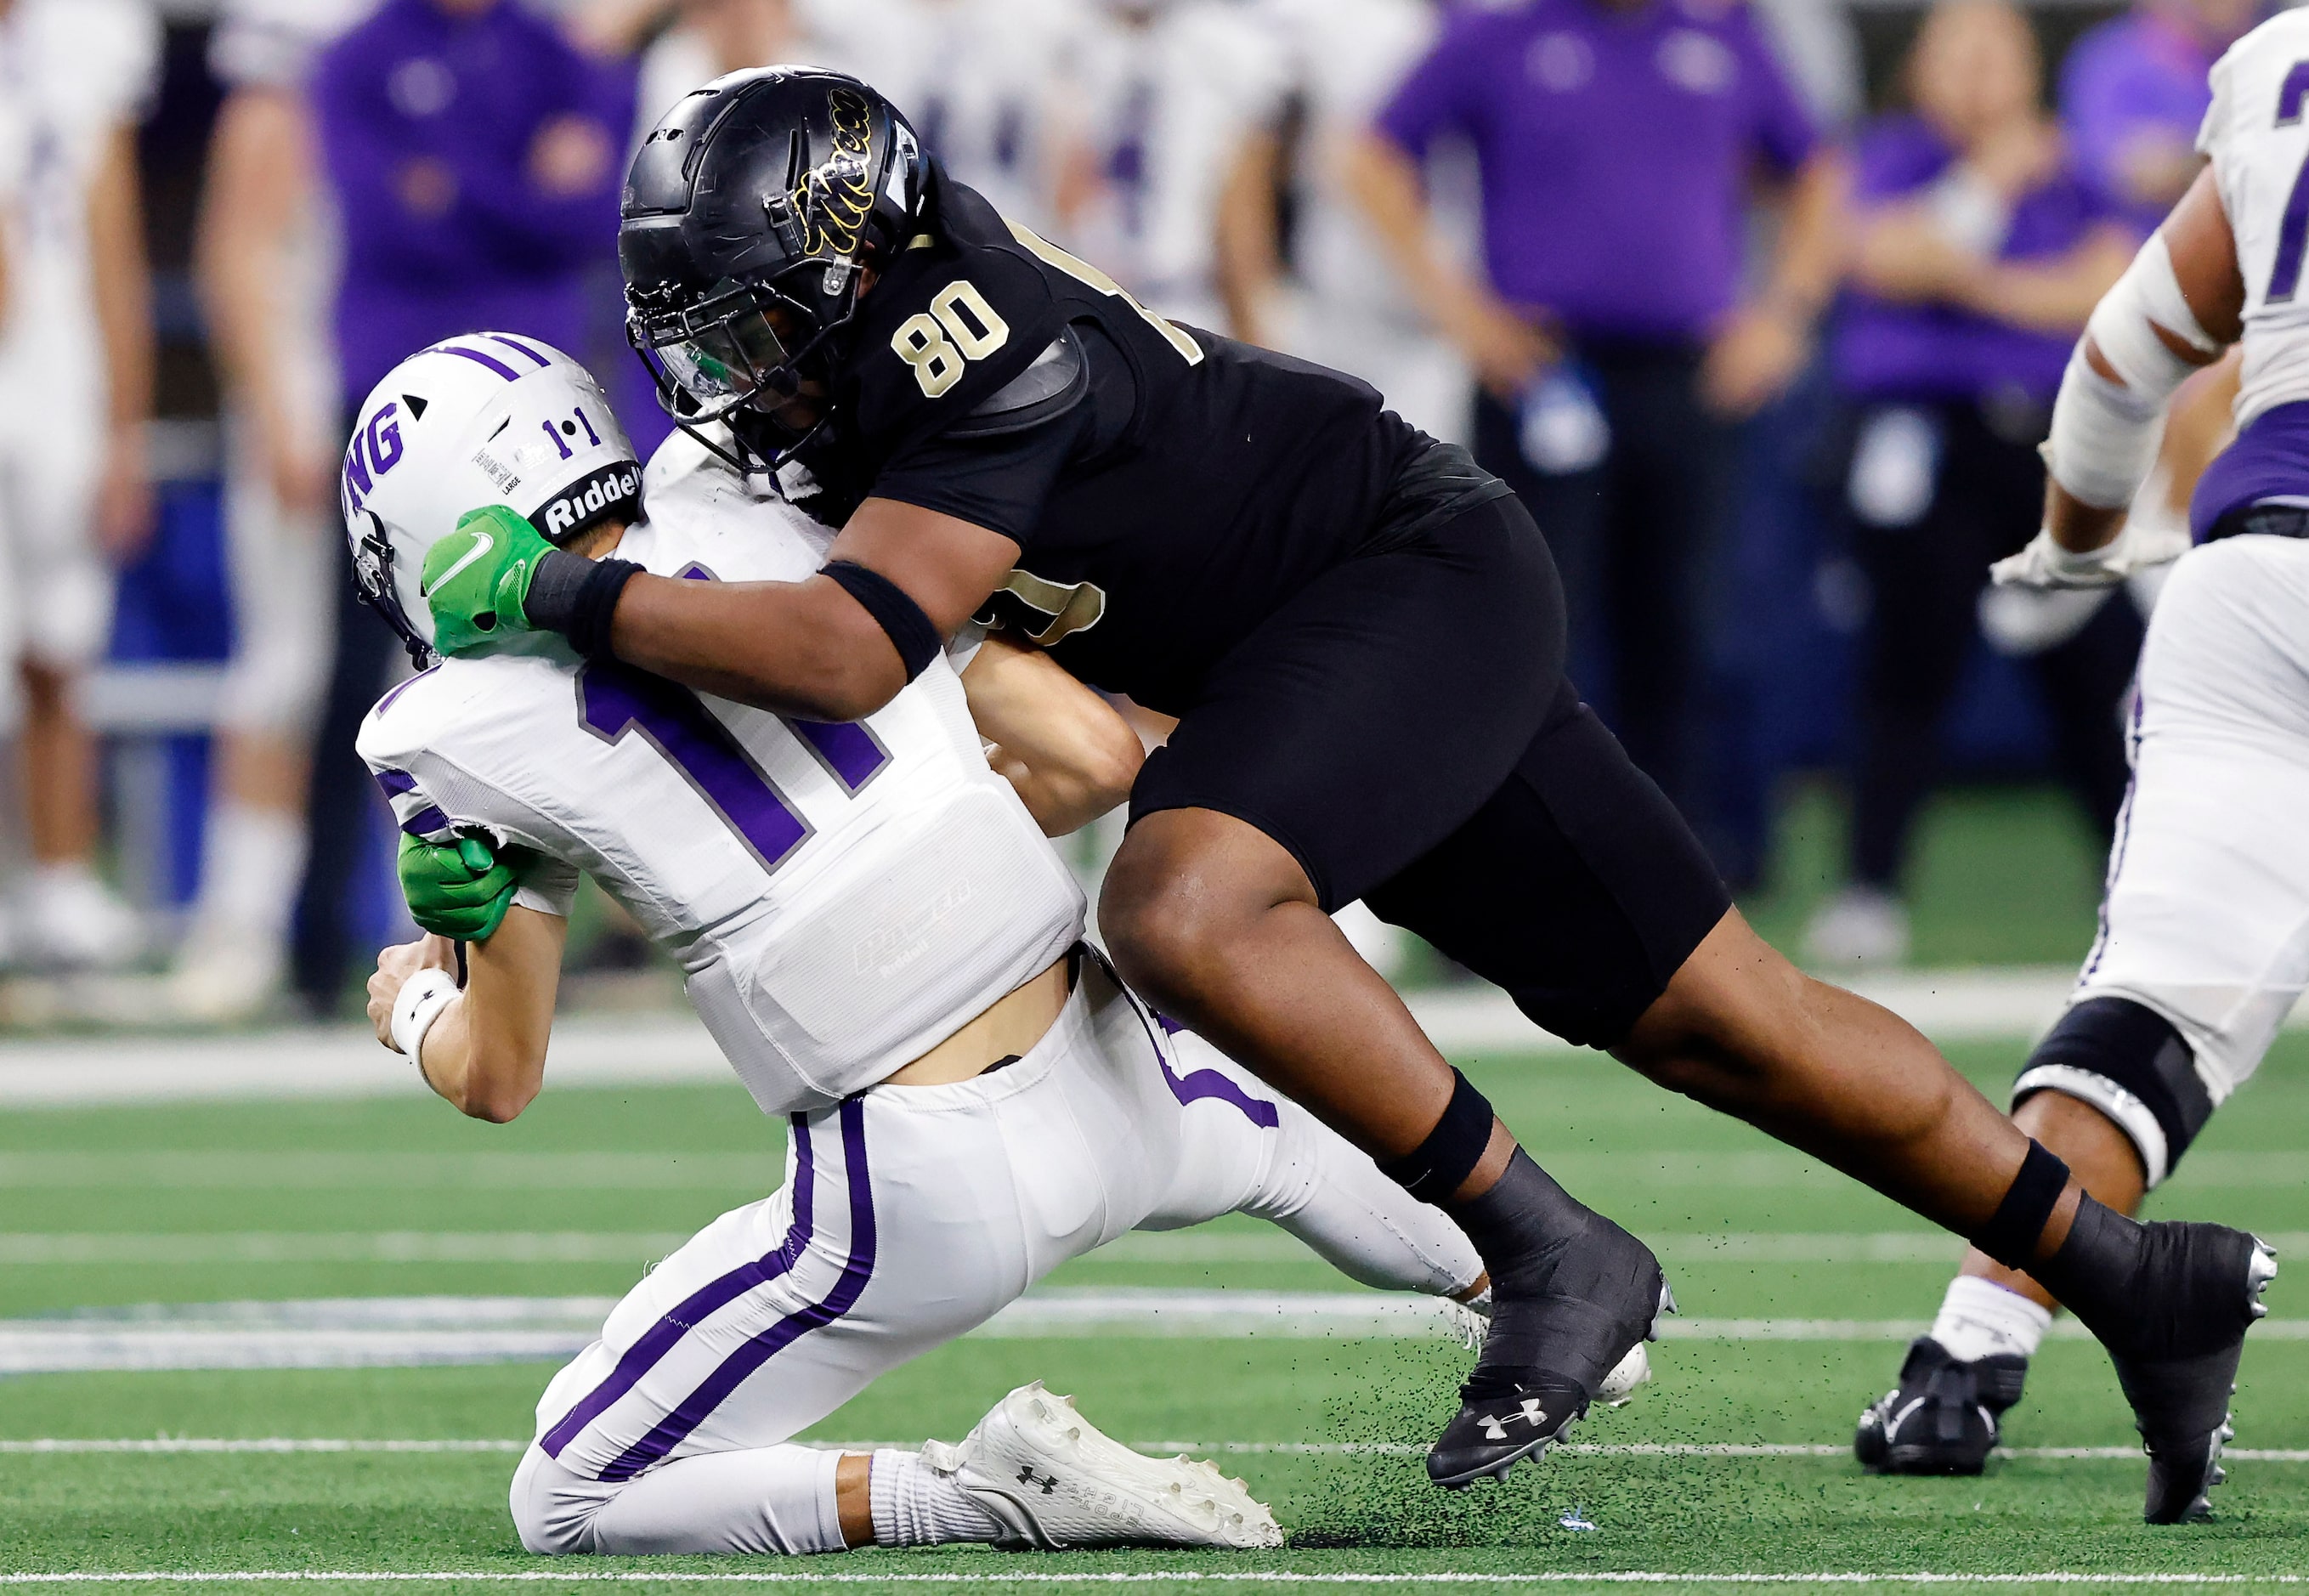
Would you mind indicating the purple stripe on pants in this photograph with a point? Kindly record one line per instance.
(1203, 1083)
(661, 1338)
(675, 1426)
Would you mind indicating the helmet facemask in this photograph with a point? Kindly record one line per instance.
(751, 217)
(373, 580)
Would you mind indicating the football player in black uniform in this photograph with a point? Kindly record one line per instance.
(1362, 634)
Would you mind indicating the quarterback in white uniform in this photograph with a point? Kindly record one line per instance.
(886, 950)
(2204, 943)
(75, 392)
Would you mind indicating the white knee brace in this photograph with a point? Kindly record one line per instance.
(2105, 435)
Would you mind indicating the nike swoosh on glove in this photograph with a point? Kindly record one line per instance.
(458, 890)
(2046, 565)
(477, 577)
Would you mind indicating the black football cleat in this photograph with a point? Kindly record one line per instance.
(1941, 1418)
(2201, 1286)
(1549, 1353)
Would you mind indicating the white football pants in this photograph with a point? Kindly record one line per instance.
(2206, 916)
(283, 571)
(910, 1215)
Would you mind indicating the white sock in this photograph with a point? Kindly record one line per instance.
(1981, 1319)
(251, 866)
(771, 1499)
(914, 1505)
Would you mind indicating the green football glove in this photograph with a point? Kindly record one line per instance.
(459, 890)
(476, 578)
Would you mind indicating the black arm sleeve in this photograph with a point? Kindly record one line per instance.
(999, 482)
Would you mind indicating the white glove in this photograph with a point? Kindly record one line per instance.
(2046, 565)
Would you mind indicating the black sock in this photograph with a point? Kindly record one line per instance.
(1521, 1225)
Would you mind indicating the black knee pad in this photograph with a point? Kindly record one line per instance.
(2127, 1061)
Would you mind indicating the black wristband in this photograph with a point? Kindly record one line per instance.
(899, 616)
(2018, 1225)
(577, 597)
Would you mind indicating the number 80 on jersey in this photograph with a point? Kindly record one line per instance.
(939, 342)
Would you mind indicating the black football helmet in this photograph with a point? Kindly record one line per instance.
(745, 217)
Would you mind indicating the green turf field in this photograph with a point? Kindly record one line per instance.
(159, 1204)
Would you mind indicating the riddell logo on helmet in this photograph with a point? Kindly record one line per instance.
(609, 485)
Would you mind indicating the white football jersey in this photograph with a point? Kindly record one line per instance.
(71, 72)
(840, 898)
(1347, 59)
(2256, 137)
(273, 46)
(980, 80)
(1165, 106)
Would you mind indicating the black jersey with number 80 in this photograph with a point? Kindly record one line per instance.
(1197, 485)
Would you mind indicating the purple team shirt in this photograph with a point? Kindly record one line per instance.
(2138, 73)
(1615, 149)
(470, 93)
(1884, 351)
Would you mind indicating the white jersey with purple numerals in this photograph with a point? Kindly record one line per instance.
(2257, 137)
(840, 898)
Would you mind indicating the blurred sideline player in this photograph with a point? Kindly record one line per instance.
(1345, 58)
(1173, 105)
(851, 904)
(75, 393)
(267, 268)
(986, 82)
(2204, 928)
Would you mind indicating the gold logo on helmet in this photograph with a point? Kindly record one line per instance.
(835, 196)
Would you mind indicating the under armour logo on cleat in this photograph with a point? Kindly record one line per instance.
(1027, 1476)
(1496, 1430)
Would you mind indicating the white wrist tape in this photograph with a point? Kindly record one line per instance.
(2105, 435)
(423, 996)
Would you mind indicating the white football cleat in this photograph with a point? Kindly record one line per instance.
(1054, 1482)
(70, 920)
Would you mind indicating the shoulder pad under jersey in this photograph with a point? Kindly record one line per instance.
(1058, 381)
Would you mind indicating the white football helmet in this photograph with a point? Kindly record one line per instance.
(481, 418)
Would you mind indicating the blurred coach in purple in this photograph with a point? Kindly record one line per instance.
(1619, 144)
(474, 157)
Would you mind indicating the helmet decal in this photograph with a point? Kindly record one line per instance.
(834, 197)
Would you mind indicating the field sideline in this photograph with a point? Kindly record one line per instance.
(1731, 1471)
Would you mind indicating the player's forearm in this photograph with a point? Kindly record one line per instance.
(486, 1052)
(1809, 259)
(1386, 185)
(259, 175)
(2057, 297)
(804, 649)
(122, 284)
(2075, 525)
(1066, 750)
(1248, 254)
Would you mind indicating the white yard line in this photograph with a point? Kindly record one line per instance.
(1193, 1246)
(170, 1444)
(754, 1174)
(324, 1246)
(379, 1332)
(1148, 1577)
(673, 1048)
(266, 1170)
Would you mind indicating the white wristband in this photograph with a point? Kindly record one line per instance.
(423, 996)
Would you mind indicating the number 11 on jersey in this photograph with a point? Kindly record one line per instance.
(613, 700)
